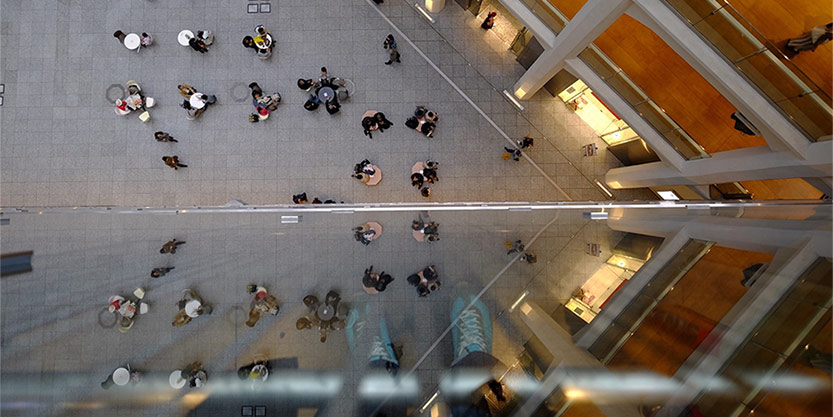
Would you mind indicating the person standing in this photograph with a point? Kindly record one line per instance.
(809, 41)
(173, 162)
(489, 21)
(526, 142)
(390, 46)
(164, 137)
(161, 272)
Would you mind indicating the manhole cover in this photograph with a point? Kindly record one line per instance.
(114, 92)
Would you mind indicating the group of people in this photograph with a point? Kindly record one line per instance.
(171, 161)
(134, 100)
(190, 307)
(374, 283)
(422, 172)
(426, 280)
(325, 317)
(373, 120)
(261, 42)
(264, 103)
(423, 121)
(367, 232)
(363, 171)
(425, 231)
(302, 199)
(329, 90)
(262, 303)
(516, 152)
(513, 247)
(202, 41)
(195, 102)
(145, 39)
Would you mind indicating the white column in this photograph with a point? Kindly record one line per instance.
(567, 357)
(593, 19)
(759, 234)
(654, 139)
(747, 164)
(435, 6)
(666, 252)
(539, 29)
(737, 325)
(779, 132)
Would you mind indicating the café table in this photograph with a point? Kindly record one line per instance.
(326, 312)
(326, 94)
(196, 100)
(176, 380)
(121, 376)
(191, 308)
(376, 178)
(132, 41)
(184, 37)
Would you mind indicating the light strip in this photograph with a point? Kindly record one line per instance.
(514, 100)
(603, 188)
(429, 402)
(424, 12)
(518, 301)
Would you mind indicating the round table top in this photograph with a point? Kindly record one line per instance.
(375, 178)
(184, 36)
(419, 236)
(369, 113)
(176, 379)
(326, 94)
(376, 227)
(196, 101)
(325, 312)
(121, 376)
(262, 370)
(418, 167)
(191, 308)
(132, 41)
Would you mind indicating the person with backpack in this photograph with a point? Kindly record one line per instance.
(390, 47)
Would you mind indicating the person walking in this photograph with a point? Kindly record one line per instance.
(489, 21)
(526, 142)
(810, 40)
(164, 137)
(173, 162)
(161, 272)
(170, 246)
(513, 154)
(390, 46)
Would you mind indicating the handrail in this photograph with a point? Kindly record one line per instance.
(766, 48)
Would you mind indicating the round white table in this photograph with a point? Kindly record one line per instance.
(326, 94)
(121, 376)
(132, 41)
(191, 308)
(184, 37)
(176, 379)
(196, 100)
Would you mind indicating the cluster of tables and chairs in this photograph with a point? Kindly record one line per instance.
(325, 317)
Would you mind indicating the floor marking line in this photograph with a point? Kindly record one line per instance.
(469, 100)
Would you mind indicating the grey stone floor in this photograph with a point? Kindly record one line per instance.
(62, 144)
(49, 322)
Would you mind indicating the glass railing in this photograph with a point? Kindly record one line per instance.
(652, 113)
(762, 63)
(783, 350)
(626, 323)
(675, 135)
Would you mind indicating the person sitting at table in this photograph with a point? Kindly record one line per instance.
(258, 370)
(332, 106)
(417, 180)
(425, 191)
(146, 40)
(186, 90)
(369, 124)
(305, 84)
(198, 45)
(262, 303)
(249, 42)
(364, 166)
(382, 121)
(430, 175)
(121, 108)
(264, 34)
(206, 37)
(190, 112)
(312, 103)
(364, 235)
(362, 177)
(119, 35)
(325, 80)
(375, 283)
(300, 198)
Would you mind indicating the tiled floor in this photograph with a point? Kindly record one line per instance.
(49, 318)
(62, 144)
